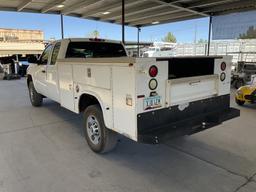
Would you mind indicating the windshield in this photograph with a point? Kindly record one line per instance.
(95, 50)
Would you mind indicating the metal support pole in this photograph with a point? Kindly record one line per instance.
(62, 26)
(16, 64)
(138, 42)
(123, 21)
(209, 35)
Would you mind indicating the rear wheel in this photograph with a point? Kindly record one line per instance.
(99, 138)
(36, 98)
(239, 102)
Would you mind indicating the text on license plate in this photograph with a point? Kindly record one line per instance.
(152, 102)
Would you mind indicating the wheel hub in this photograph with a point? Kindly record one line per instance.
(93, 129)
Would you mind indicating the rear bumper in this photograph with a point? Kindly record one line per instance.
(166, 124)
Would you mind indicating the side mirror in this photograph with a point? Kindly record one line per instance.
(32, 59)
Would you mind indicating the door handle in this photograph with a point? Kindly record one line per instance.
(195, 82)
(43, 71)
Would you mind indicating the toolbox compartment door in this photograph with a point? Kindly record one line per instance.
(185, 90)
(66, 86)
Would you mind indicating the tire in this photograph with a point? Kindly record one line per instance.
(239, 102)
(8, 77)
(99, 138)
(36, 99)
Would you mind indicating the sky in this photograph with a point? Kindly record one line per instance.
(75, 27)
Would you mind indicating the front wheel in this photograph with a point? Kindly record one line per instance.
(239, 102)
(99, 138)
(36, 98)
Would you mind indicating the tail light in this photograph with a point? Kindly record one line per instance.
(222, 76)
(153, 84)
(153, 71)
(223, 66)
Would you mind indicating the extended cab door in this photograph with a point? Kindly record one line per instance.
(52, 75)
(40, 73)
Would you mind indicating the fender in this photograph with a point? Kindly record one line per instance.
(107, 113)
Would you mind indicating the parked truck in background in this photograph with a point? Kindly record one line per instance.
(242, 73)
(148, 100)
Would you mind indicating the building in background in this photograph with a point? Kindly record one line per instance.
(21, 35)
(21, 42)
(240, 50)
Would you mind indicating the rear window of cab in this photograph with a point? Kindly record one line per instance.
(94, 50)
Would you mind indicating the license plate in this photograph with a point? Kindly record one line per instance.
(152, 102)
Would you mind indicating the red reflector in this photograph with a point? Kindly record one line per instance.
(223, 66)
(153, 71)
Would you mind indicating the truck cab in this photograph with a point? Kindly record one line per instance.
(45, 71)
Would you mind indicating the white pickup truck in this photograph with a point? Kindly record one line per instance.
(148, 100)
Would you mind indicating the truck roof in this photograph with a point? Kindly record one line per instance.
(89, 40)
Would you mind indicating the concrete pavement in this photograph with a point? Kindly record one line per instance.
(42, 149)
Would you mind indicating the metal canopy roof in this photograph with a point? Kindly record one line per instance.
(137, 12)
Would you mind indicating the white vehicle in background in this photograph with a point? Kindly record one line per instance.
(160, 49)
(148, 100)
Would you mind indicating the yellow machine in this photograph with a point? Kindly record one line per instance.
(246, 93)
